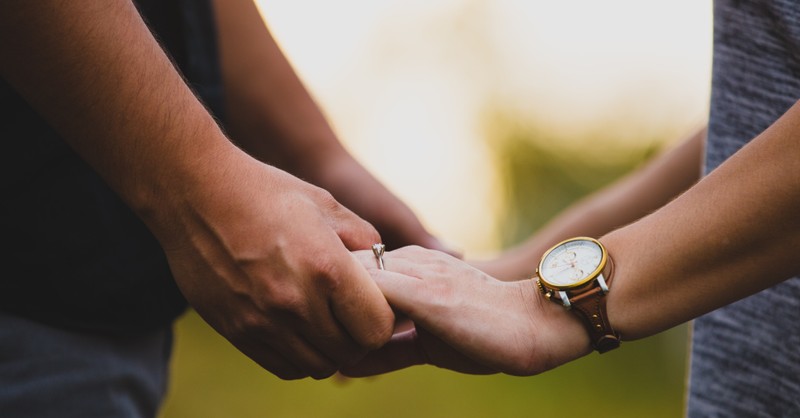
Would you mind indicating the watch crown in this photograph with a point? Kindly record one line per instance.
(541, 288)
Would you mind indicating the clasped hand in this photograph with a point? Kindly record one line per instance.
(467, 321)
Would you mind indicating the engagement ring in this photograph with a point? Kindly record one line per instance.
(378, 250)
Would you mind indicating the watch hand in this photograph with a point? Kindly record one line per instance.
(564, 269)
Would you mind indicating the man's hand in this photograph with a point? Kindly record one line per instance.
(467, 321)
(264, 259)
(260, 254)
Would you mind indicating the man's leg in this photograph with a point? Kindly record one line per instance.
(48, 372)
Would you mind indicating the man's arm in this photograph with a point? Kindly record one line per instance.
(619, 204)
(261, 255)
(273, 117)
(733, 234)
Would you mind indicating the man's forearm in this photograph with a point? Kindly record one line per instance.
(97, 75)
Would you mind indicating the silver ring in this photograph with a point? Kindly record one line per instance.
(378, 250)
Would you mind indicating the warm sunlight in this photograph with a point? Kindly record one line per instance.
(487, 117)
(408, 84)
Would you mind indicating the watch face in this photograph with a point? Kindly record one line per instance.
(572, 263)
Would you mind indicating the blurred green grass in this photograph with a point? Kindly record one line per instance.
(211, 379)
(541, 174)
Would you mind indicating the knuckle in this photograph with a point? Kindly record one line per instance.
(285, 299)
(417, 252)
(412, 249)
(245, 324)
(327, 272)
(378, 335)
(372, 234)
(289, 301)
(326, 200)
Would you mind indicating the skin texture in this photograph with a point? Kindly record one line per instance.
(730, 235)
(466, 320)
(263, 256)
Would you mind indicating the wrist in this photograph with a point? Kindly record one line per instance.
(166, 192)
(622, 304)
(555, 329)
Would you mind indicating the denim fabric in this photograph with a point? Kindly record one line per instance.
(48, 372)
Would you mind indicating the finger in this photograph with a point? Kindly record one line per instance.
(404, 293)
(309, 359)
(330, 337)
(304, 356)
(400, 352)
(355, 233)
(421, 262)
(360, 306)
(411, 348)
(441, 309)
(367, 259)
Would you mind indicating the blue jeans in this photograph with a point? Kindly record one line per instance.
(49, 372)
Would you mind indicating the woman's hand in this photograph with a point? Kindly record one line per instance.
(468, 321)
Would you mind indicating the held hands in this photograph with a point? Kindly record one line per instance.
(263, 257)
(466, 320)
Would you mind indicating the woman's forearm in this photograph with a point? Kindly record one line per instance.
(625, 201)
(736, 232)
(270, 113)
(274, 118)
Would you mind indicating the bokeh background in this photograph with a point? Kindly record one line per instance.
(487, 117)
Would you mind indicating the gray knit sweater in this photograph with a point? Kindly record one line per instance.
(745, 359)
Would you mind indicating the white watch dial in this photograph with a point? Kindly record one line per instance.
(572, 263)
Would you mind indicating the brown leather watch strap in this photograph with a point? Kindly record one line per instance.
(591, 305)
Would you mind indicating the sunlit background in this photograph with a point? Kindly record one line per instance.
(487, 118)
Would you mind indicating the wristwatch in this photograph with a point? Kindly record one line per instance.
(577, 273)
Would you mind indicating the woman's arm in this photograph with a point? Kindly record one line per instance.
(734, 233)
(274, 118)
(621, 203)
